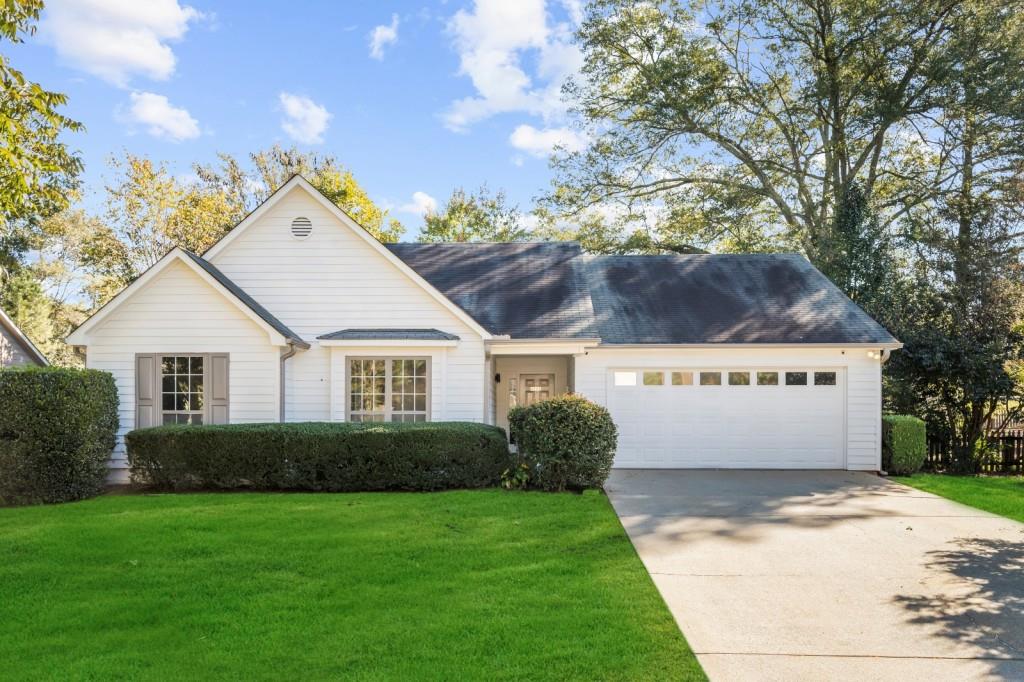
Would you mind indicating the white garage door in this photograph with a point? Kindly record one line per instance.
(733, 418)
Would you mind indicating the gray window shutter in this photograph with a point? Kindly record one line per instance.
(146, 392)
(217, 392)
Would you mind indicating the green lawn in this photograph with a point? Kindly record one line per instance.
(458, 585)
(997, 494)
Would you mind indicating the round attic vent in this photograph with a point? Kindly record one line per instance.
(301, 228)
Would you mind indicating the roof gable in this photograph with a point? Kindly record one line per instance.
(279, 334)
(298, 183)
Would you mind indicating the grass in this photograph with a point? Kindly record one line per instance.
(457, 585)
(997, 494)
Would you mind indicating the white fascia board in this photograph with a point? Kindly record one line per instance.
(541, 346)
(80, 337)
(361, 231)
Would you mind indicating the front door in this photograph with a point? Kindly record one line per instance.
(536, 387)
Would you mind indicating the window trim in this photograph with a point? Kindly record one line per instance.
(210, 399)
(347, 395)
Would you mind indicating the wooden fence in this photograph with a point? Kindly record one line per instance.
(1008, 459)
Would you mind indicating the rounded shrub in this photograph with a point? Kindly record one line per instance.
(57, 429)
(321, 456)
(567, 442)
(904, 444)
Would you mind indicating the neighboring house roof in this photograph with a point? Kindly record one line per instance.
(527, 290)
(248, 300)
(388, 335)
(26, 343)
(701, 299)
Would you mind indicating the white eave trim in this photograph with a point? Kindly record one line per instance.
(80, 337)
(540, 346)
(345, 218)
(388, 343)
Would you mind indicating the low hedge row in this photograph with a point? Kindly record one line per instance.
(57, 430)
(904, 444)
(566, 442)
(320, 456)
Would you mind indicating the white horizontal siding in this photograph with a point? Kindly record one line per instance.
(334, 280)
(178, 312)
(863, 381)
(11, 351)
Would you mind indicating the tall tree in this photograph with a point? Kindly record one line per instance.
(270, 168)
(474, 217)
(37, 170)
(965, 342)
(761, 110)
(148, 212)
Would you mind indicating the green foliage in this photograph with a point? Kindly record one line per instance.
(567, 442)
(320, 456)
(270, 168)
(23, 299)
(57, 431)
(37, 171)
(477, 217)
(904, 444)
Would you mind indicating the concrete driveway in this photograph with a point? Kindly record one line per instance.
(828, 575)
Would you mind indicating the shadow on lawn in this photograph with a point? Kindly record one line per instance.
(981, 602)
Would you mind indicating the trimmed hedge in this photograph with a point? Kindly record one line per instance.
(904, 444)
(57, 429)
(567, 442)
(321, 456)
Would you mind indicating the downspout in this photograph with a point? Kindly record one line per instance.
(284, 356)
(885, 355)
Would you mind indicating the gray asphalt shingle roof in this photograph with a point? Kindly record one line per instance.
(248, 300)
(687, 299)
(389, 335)
(526, 290)
(553, 290)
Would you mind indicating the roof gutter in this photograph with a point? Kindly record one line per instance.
(292, 350)
(896, 345)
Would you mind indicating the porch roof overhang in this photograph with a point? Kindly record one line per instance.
(500, 346)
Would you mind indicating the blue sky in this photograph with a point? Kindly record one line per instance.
(415, 97)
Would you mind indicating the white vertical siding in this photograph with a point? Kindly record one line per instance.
(334, 280)
(178, 312)
(863, 384)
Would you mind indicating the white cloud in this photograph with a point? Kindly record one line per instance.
(117, 39)
(541, 143)
(383, 35)
(495, 41)
(304, 120)
(421, 204)
(161, 118)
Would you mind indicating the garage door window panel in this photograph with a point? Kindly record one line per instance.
(824, 378)
(767, 378)
(739, 378)
(710, 378)
(654, 378)
(682, 378)
(796, 378)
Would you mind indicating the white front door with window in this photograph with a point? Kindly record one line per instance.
(771, 418)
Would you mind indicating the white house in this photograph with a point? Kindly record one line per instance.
(298, 314)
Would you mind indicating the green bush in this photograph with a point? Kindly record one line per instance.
(320, 456)
(904, 444)
(567, 442)
(57, 429)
